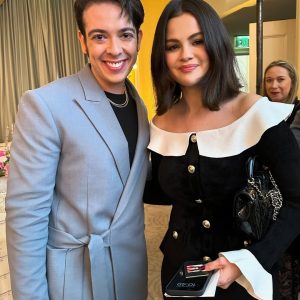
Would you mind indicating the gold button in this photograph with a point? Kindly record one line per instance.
(198, 201)
(246, 243)
(191, 169)
(206, 258)
(175, 235)
(193, 138)
(206, 224)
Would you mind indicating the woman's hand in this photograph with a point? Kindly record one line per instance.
(228, 272)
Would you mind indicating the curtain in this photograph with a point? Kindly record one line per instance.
(38, 44)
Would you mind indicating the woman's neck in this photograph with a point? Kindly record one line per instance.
(191, 101)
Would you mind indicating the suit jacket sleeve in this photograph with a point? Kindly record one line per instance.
(34, 158)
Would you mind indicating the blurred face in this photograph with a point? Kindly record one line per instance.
(111, 44)
(186, 56)
(278, 84)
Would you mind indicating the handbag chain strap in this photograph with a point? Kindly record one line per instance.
(274, 194)
(276, 197)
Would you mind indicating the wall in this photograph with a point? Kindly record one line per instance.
(278, 43)
(226, 7)
(153, 10)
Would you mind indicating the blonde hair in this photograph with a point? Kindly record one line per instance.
(293, 75)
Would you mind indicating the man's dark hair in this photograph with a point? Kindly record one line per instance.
(220, 82)
(132, 8)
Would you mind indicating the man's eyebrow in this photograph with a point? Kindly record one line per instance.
(128, 29)
(104, 31)
(96, 31)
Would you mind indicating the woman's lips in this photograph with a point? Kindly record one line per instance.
(188, 68)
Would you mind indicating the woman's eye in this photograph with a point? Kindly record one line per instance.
(171, 47)
(198, 42)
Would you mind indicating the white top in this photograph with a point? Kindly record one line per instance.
(226, 141)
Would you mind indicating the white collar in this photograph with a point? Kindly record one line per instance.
(226, 141)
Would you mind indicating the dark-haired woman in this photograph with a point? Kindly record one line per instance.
(204, 132)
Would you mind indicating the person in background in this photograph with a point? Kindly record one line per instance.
(75, 220)
(204, 131)
(281, 85)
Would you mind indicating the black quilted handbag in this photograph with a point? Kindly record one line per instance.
(257, 205)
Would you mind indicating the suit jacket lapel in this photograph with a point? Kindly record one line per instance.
(100, 113)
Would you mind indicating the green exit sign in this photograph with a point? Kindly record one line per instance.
(241, 41)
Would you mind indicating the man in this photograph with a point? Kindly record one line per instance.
(75, 227)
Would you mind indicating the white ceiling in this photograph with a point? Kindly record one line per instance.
(223, 6)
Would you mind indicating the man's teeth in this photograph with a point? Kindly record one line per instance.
(115, 64)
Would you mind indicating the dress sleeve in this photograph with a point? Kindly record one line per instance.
(255, 279)
(153, 193)
(279, 150)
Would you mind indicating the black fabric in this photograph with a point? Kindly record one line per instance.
(289, 273)
(295, 125)
(127, 117)
(215, 181)
(292, 116)
(294, 122)
(289, 277)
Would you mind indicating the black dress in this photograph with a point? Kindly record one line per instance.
(199, 174)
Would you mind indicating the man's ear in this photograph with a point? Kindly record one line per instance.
(139, 37)
(82, 42)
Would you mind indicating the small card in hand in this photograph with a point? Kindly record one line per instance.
(194, 269)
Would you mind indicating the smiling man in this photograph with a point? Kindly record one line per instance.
(75, 226)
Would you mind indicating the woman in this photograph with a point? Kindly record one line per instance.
(204, 132)
(281, 84)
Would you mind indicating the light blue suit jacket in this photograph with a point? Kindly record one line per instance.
(75, 221)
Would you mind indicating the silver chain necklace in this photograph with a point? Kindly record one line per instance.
(121, 105)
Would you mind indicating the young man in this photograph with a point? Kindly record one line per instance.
(75, 227)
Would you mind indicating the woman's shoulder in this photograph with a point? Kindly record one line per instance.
(164, 121)
(244, 102)
(250, 97)
(259, 106)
